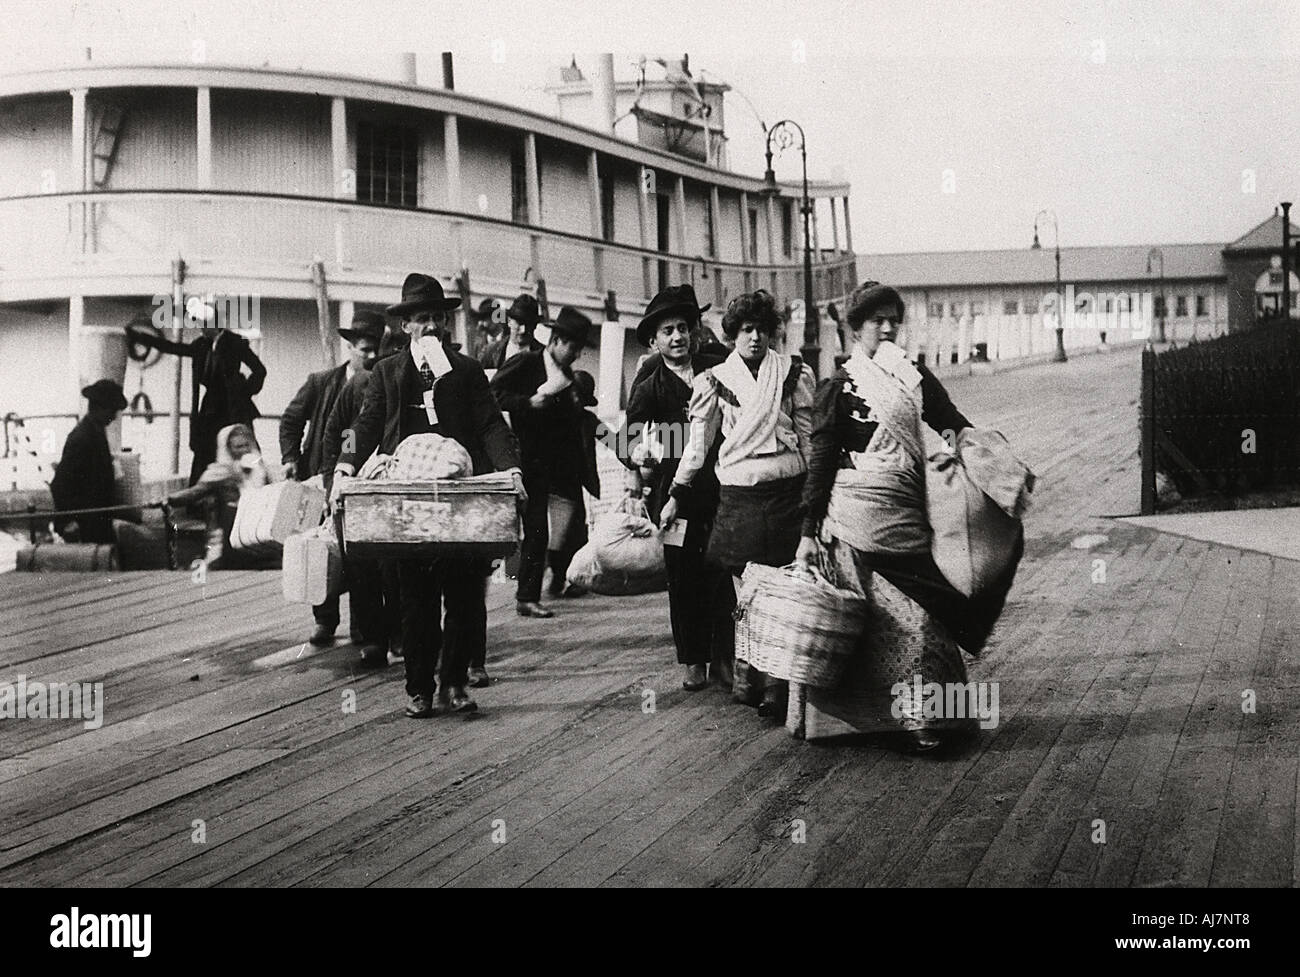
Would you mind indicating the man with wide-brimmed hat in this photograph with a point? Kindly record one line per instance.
(546, 411)
(301, 457)
(431, 388)
(700, 595)
(85, 477)
(521, 319)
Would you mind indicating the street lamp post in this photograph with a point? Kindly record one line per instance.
(1060, 356)
(782, 132)
(1157, 253)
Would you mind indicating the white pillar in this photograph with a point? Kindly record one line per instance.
(344, 189)
(612, 338)
(532, 186)
(771, 230)
(817, 248)
(76, 320)
(203, 136)
(79, 182)
(681, 215)
(835, 229)
(643, 222)
(451, 152)
(848, 233)
(715, 242)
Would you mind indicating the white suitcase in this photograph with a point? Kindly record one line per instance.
(269, 515)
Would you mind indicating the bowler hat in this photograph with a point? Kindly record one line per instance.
(674, 300)
(572, 324)
(420, 292)
(365, 325)
(105, 393)
(524, 310)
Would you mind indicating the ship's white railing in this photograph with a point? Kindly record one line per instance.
(42, 235)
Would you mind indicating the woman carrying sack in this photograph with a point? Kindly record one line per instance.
(866, 492)
(761, 401)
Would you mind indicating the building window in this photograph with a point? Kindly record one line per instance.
(1126, 302)
(606, 187)
(936, 310)
(1031, 306)
(1011, 307)
(1201, 306)
(954, 310)
(1180, 306)
(1160, 307)
(388, 165)
(976, 308)
(787, 229)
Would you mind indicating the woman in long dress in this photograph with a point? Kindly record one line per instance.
(865, 492)
(761, 401)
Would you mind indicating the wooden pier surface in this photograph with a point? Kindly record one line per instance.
(227, 756)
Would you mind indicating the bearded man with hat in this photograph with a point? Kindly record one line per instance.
(310, 410)
(431, 388)
(546, 410)
(700, 594)
(521, 319)
(85, 477)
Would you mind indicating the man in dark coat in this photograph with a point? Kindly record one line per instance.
(228, 398)
(536, 389)
(310, 410)
(432, 388)
(311, 406)
(573, 536)
(700, 594)
(521, 319)
(85, 476)
(372, 585)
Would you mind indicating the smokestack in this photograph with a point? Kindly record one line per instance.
(602, 92)
(406, 68)
(448, 75)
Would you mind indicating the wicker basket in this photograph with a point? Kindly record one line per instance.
(797, 625)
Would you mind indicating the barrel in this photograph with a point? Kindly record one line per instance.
(58, 557)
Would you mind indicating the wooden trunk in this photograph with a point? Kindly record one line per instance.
(447, 517)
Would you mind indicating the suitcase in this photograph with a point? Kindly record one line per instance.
(313, 566)
(63, 557)
(469, 517)
(269, 515)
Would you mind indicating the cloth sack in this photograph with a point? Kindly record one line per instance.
(974, 500)
(424, 457)
(624, 555)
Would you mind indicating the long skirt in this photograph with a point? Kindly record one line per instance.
(908, 672)
(757, 524)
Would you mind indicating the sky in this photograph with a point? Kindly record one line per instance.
(1163, 121)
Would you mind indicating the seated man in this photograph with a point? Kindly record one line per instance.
(85, 478)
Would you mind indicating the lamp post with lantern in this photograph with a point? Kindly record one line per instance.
(1060, 356)
(783, 134)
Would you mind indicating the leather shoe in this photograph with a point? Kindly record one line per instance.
(923, 740)
(530, 608)
(373, 656)
(478, 678)
(695, 678)
(461, 702)
(395, 649)
(419, 707)
(323, 635)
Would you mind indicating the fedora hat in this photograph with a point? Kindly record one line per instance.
(105, 393)
(365, 325)
(674, 300)
(420, 292)
(524, 310)
(572, 324)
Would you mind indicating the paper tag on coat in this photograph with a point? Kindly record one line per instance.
(429, 410)
(675, 534)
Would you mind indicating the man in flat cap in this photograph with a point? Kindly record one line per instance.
(546, 411)
(521, 319)
(301, 456)
(431, 388)
(85, 477)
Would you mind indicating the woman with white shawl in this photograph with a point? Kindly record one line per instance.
(760, 401)
(865, 494)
